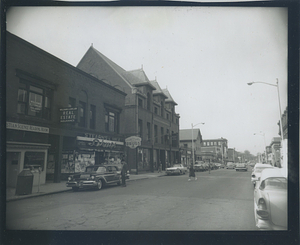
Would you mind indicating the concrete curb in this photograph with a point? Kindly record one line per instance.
(16, 198)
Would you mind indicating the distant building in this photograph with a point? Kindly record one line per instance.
(185, 137)
(214, 150)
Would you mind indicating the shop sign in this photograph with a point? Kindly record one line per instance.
(35, 106)
(97, 142)
(68, 114)
(26, 127)
(133, 142)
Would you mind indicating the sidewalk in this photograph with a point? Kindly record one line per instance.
(50, 187)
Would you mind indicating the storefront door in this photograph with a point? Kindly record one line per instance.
(12, 168)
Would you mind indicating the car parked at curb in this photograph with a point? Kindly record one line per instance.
(256, 172)
(176, 169)
(94, 176)
(241, 167)
(119, 167)
(270, 200)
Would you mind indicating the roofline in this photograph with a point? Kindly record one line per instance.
(32, 46)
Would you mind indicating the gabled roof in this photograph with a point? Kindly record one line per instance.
(186, 134)
(158, 90)
(169, 99)
(138, 78)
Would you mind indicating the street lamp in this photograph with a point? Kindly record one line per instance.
(263, 134)
(193, 142)
(274, 85)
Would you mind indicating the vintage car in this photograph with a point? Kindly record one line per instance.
(119, 167)
(230, 165)
(199, 166)
(241, 167)
(256, 171)
(270, 200)
(95, 176)
(176, 169)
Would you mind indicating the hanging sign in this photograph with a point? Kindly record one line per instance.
(68, 114)
(133, 142)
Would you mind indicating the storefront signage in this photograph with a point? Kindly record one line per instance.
(68, 114)
(97, 142)
(133, 142)
(26, 127)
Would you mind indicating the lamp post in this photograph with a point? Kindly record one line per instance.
(193, 142)
(263, 134)
(274, 85)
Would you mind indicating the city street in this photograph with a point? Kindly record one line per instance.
(222, 200)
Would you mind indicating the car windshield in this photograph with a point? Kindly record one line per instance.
(276, 183)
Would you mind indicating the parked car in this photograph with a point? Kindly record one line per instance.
(95, 176)
(176, 169)
(270, 200)
(256, 171)
(199, 167)
(241, 167)
(119, 167)
(230, 165)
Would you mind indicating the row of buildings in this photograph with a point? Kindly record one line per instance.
(59, 118)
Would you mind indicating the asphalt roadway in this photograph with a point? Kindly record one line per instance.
(219, 201)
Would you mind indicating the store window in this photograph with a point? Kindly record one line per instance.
(82, 114)
(34, 160)
(34, 101)
(92, 116)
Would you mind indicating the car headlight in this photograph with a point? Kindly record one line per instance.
(93, 177)
(69, 178)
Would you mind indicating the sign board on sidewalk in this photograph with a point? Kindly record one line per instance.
(133, 142)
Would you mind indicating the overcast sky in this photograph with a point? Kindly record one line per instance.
(205, 56)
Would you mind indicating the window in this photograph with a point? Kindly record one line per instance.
(140, 102)
(148, 101)
(162, 135)
(155, 134)
(168, 116)
(167, 136)
(162, 108)
(72, 102)
(34, 101)
(215, 143)
(156, 110)
(140, 128)
(148, 131)
(207, 143)
(185, 145)
(82, 114)
(204, 143)
(111, 121)
(92, 116)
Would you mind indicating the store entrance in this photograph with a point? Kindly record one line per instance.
(12, 168)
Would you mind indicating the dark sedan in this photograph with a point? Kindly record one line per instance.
(95, 176)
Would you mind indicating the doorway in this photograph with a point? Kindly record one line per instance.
(12, 168)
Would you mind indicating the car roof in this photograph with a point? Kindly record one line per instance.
(274, 172)
(261, 165)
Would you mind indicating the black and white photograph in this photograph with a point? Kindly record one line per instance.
(148, 118)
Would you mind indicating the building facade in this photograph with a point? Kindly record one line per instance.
(59, 118)
(214, 150)
(149, 112)
(190, 141)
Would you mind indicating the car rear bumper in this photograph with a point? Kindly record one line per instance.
(268, 225)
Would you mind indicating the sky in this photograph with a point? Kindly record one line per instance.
(204, 56)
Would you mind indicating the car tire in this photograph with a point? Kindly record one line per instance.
(99, 184)
(75, 189)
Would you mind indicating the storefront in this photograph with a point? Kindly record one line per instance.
(26, 148)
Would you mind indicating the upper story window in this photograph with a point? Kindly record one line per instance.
(204, 143)
(156, 110)
(140, 128)
(185, 145)
(82, 114)
(148, 131)
(168, 116)
(162, 108)
(140, 102)
(111, 121)
(162, 135)
(155, 134)
(34, 101)
(92, 116)
(72, 102)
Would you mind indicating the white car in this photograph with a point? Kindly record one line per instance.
(256, 172)
(270, 200)
(176, 169)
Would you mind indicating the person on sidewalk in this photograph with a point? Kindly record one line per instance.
(192, 173)
(123, 172)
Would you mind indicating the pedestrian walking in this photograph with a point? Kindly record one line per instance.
(123, 172)
(209, 168)
(159, 168)
(192, 173)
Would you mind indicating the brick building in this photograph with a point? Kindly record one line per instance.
(214, 150)
(149, 112)
(59, 118)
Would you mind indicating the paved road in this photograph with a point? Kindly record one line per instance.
(222, 200)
